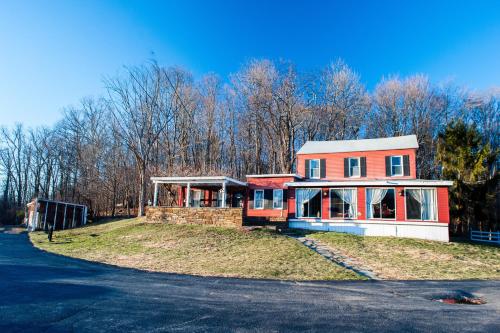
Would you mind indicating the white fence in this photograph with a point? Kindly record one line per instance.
(485, 236)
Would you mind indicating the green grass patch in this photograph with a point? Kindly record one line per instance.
(193, 249)
(413, 259)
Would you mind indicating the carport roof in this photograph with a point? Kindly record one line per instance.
(199, 180)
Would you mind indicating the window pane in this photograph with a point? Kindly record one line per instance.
(388, 205)
(429, 209)
(314, 167)
(277, 199)
(413, 206)
(315, 205)
(354, 167)
(396, 165)
(259, 199)
(336, 205)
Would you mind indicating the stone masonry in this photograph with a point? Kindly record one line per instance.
(223, 217)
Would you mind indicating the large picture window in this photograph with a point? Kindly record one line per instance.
(343, 203)
(421, 204)
(277, 199)
(380, 203)
(314, 169)
(258, 199)
(308, 202)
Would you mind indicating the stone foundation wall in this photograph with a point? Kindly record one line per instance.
(223, 217)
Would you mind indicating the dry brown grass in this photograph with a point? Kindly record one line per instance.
(412, 259)
(198, 250)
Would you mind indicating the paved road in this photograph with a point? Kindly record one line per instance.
(44, 292)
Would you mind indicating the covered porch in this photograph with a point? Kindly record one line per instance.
(197, 192)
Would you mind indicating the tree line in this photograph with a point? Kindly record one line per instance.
(153, 120)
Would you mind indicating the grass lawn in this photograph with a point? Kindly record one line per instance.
(402, 258)
(192, 249)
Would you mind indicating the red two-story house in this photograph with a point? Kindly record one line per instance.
(366, 187)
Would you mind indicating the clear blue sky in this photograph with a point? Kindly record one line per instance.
(53, 53)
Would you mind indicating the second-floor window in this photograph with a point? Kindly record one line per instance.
(354, 167)
(396, 165)
(314, 169)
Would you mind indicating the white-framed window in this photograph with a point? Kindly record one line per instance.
(314, 169)
(343, 203)
(278, 199)
(308, 202)
(195, 198)
(396, 165)
(354, 167)
(381, 203)
(421, 204)
(258, 199)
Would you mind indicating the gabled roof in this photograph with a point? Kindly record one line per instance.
(343, 146)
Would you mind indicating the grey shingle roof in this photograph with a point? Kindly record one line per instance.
(340, 146)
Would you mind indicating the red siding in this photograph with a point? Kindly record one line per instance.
(267, 183)
(443, 205)
(375, 163)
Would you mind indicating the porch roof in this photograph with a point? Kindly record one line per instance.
(198, 180)
(374, 182)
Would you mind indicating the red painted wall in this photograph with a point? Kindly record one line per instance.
(267, 183)
(442, 204)
(375, 163)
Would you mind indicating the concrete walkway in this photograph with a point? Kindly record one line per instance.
(336, 257)
(41, 292)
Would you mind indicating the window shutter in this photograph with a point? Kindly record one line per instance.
(268, 199)
(346, 167)
(250, 198)
(388, 166)
(363, 166)
(322, 168)
(285, 199)
(306, 168)
(406, 165)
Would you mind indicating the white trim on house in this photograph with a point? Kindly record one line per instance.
(401, 165)
(344, 146)
(273, 175)
(376, 182)
(435, 200)
(281, 201)
(263, 199)
(436, 231)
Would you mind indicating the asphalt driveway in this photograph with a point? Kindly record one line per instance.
(44, 292)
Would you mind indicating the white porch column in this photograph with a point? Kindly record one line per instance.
(155, 198)
(188, 194)
(223, 203)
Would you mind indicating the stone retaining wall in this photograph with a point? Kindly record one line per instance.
(224, 217)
